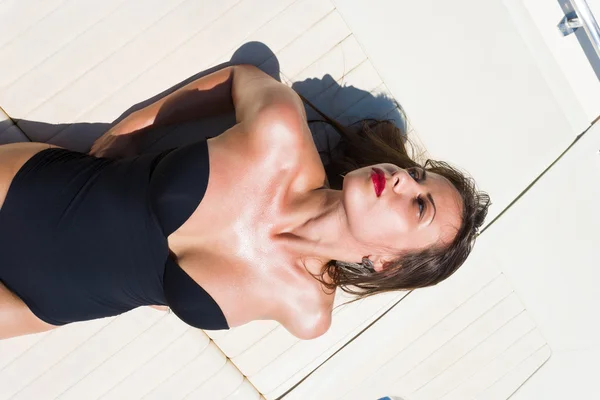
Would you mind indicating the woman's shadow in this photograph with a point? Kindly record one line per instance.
(346, 104)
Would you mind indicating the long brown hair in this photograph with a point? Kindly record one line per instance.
(369, 142)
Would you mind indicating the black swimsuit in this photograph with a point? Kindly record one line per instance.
(84, 237)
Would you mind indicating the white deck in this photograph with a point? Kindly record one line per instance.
(475, 94)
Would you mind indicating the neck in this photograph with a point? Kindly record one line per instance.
(320, 231)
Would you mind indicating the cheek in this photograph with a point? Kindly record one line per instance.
(395, 228)
(401, 216)
(366, 221)
(391, 227)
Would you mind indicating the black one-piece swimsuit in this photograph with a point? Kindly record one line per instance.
(84, 237)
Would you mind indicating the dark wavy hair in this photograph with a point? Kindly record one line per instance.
(369, 142)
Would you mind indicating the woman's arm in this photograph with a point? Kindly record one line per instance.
(243, 88)
(204, 97)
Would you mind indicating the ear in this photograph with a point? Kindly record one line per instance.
(378, 262)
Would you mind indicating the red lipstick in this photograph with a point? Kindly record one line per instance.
(378, 178)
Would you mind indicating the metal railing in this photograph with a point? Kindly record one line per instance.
(584, 19)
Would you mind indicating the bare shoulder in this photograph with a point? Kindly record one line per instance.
(282, 121)
(278, 135)
(282, 127)
(307, 323)
(308, 312)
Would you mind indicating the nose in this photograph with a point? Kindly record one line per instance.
(403, 183)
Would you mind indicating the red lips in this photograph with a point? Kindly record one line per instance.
(378, 178)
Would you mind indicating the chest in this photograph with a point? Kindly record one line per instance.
(230, 244)
(257, 282)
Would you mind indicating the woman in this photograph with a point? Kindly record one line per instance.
(240, 227)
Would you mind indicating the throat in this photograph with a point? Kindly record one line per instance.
(316, 223)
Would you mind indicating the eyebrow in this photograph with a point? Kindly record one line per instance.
(434, 208)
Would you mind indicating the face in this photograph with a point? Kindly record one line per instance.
(391, 210)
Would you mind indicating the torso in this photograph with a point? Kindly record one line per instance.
(12, 158)
(233, 245)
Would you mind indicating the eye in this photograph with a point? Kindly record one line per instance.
(418, 174)
(421, 205)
